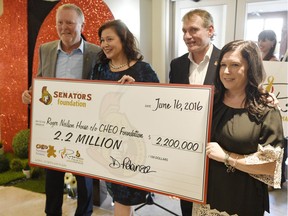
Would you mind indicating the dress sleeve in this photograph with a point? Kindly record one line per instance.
(149, 74)
(270, 148)
(204, 210)
(265, 155)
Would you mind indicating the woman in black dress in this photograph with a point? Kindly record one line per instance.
(121, 61)
(247, 136)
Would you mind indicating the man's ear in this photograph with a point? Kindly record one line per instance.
(82, 27)
(211, 31)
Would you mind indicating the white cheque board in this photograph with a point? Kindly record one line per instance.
(148, 136)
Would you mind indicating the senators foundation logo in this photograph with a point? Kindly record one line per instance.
(46, 96)
(64, 98)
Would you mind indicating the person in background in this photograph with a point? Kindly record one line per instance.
(246, 148)
(267, 43)
(198, 66)
(69, 57)
(120, 60)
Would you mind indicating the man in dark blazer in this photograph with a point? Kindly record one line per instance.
(198, 32)
(69, 57)
(198, 66)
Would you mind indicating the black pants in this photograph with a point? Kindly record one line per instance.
(54, 194)
(186, 208)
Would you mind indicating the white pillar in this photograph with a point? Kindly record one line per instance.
(160, 37)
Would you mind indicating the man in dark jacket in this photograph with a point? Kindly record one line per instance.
(198, 66)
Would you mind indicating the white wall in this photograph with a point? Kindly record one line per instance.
(160, 38)
(128, 11)
(146, 29)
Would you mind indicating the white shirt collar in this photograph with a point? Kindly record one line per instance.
(207, 55)
(81, 47)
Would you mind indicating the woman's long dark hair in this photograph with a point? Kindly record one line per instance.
(271, 36)
(128, 41)
(256, 96)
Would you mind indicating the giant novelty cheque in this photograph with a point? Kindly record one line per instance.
(148, 136)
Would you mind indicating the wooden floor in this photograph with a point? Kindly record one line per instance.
(19, 202)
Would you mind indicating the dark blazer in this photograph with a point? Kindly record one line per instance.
(48, 56)
(179, 73)
(179, 68)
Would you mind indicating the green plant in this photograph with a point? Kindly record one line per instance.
(26, 166)
(1, 147)
(9, 177)
(37, 172)
(20, 143)
(16, 164)
(4, 163)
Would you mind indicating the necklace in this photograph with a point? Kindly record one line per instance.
(116, 67)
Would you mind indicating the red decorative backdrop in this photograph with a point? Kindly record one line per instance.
(14, 56)
(13, 69)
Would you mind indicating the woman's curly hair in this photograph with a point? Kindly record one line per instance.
(257, 98)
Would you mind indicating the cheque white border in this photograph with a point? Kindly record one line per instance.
(148, 136)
